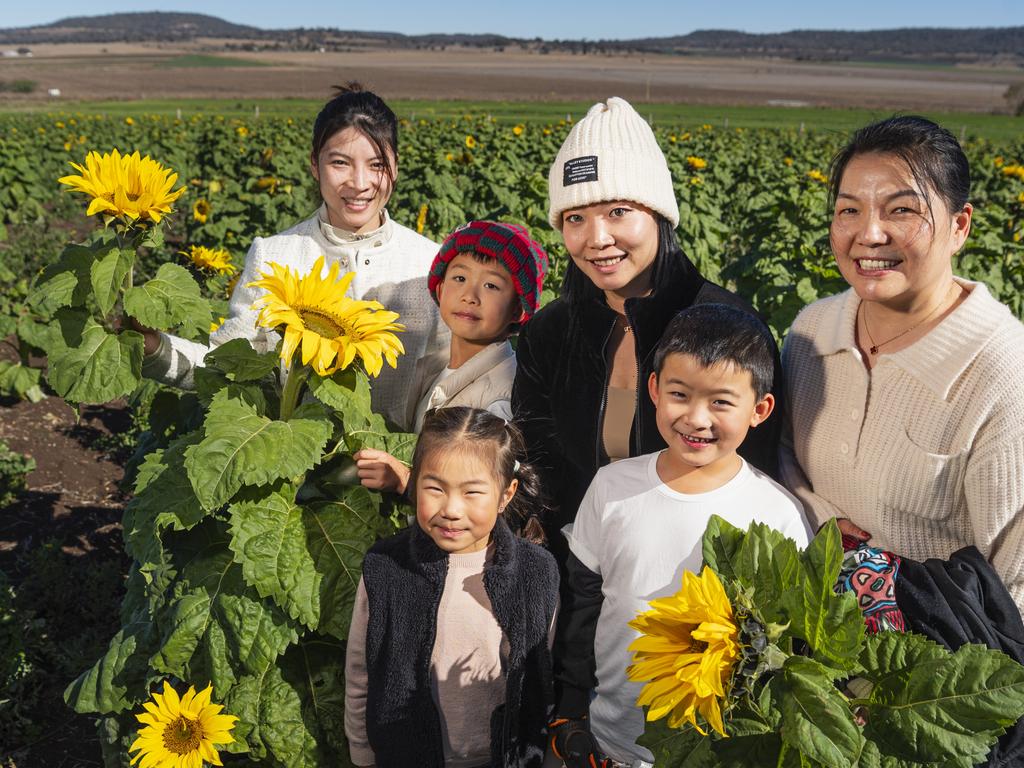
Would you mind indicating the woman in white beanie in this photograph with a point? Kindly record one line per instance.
(583, 360)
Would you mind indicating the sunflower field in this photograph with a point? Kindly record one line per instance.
(245, 532)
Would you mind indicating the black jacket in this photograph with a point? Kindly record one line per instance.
(963, 600)
(404, 578)
(558, 397)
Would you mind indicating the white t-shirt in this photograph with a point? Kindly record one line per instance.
(639, 535)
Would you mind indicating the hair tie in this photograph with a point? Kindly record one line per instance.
(515, 467)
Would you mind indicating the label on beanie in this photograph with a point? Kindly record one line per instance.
(579, 170)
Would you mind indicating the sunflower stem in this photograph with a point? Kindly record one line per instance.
(297, 376)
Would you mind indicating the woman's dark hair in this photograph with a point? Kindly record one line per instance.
(576, 286)
(355, 107)
(477, 431)
(933, 155)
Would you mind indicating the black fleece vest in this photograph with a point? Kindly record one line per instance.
(404, 578)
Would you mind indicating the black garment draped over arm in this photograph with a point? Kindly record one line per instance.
(962, 600)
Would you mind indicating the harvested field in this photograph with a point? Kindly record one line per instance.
(137, 71)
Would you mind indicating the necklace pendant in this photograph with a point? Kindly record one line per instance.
(874, 350)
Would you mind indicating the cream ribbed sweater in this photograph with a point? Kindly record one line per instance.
(391, 265)
(925, 451)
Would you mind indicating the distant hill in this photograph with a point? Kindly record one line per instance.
(1003, 44)
(929, 43)
(131, 27)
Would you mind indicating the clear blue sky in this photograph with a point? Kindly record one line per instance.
(574, 19)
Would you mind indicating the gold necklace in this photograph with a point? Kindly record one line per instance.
(876, 346)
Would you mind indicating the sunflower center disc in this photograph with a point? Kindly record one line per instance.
(183, 736)
(320, 323)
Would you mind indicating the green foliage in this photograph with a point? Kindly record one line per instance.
(13, 469)
(170, 299)
(239, 580)
(831, 624)
(240, 447)
(929, 705)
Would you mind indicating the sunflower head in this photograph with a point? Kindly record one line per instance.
(331, 328)
(201, 210)
(686, 653)
(134, 189)
(181, 732)
(215, 259)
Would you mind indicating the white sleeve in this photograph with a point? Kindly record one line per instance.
(356, 682)
(176, 359)
(584, 535)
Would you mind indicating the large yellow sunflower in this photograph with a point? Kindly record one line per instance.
(332, 328)
(216, 259)
(688, 647)
(181, 733)
(128, 187)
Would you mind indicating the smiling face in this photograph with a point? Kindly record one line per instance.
(478, 299)
(614, 244)
(458, 498)
(889, 247)
(704, 413)
(354, 180)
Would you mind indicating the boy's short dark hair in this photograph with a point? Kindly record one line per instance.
(718, 333)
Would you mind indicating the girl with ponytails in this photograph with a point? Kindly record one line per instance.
(453, 616)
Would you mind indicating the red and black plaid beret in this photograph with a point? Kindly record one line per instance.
(508, 244)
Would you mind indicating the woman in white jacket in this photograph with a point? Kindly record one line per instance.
(354, 159)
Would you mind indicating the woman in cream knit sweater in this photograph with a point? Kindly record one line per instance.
(906, 392)
(354, 161)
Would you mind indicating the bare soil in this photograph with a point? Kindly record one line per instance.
(61, 548)
(133, 71)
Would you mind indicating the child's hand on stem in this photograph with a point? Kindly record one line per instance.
(380, 471)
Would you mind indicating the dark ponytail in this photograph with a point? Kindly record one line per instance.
(448, 427)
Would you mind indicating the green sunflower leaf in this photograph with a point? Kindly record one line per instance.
(21, 381)
(107, 276)
(293, 711)
(816, 719)
(677, 746)
(930, 705)
(338, 534)
(217, 627)
(241, 447)
(89, 365)
(375, 434)
(721, 546)
(240, 362)
(64, 284)
(163, 499)
(268, 539)
(116, 680)
(347, 392)
(170, 299)
(831, 624)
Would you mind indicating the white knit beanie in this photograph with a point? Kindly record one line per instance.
(611, 154)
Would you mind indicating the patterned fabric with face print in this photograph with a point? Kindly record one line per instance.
(871, 573)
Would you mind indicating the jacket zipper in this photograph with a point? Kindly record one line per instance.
(604, 395)
(636, 393)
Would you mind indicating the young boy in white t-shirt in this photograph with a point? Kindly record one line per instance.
(641, 522)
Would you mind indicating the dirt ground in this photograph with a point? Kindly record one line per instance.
(132, 71)
(60, 544)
